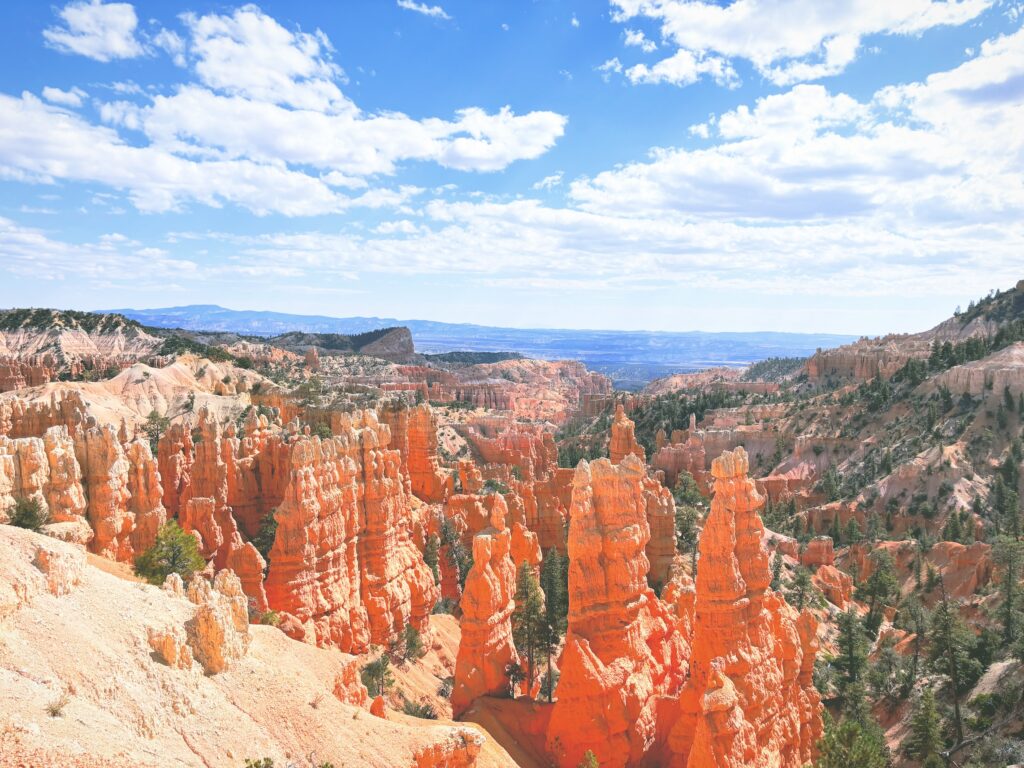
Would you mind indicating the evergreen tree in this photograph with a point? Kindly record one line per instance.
(834, 532)
(430, 556)
(556, 609)
(589, 760)
(413, 643)
(951, 652)
(174, 551)
(925, 728)
(777, 570)
(687, 538)
(1008, 554)
(852, 744)
(377, 677)
(879, 587)
(800, 588)
(529, 621)
(264, 538)
(853, 650)
(852, 531)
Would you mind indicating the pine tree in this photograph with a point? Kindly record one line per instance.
(853, 650)
(528, 620)
(376, 675)
(589, 760)
(174, 551)
(852, 744)
(430, 556)
(880, 586)
(925, 728)
(777, 570)
(556, 609)
(852, 531)
(800, 588)
(951, 653)
(1008, 554)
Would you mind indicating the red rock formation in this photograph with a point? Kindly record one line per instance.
(105, 471)
(397, 585)
(20, 418)
(145, 502)
(175, 455)
(530, 448)
(621, 649)
(525, 548)
(486, 648)
(661, 519)
(343, 561)
(414, 435)
(685, 452)
(623, 438)
(314, 568)
(835, 585)
(818, 552)
(749, 700)
(552, 499)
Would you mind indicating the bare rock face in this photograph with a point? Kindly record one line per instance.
(622, 650)
(661, 519)
(685, 452)
(146, 495)
(459, 749)
(749, 700)
(175, 455)
(397, 586)
(486, 647)
(105, 469)
(414, 436)
(21, 418)
(219, 632)
(314, 572)
(171, 645)
(63, 568)
(525, 546)
(819, 552)
(623, 438)
(343, 561)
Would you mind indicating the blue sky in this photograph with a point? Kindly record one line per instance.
(851, 167)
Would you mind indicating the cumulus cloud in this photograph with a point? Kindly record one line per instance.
(786, 42)
(434, 11)
(913, 192)
(69, 98)
(265, 126)
(101, 31)
(637, 38)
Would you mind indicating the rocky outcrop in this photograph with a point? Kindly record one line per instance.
(684, 453)
(343, 561)
(750, 699)
(414, 436)
(22, 418)
(105, 471)
(145, 495)
(621, 650)
(661, 519)
(623, 438)
(486, 647)
(175, 455)
(819, 551)
(525, 547)
(218, 633)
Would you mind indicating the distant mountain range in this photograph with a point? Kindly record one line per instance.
(630, 358)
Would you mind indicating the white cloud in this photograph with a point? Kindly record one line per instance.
(637, 38)
(434, 11)
(267, 127)
(249, 54)
(101, 31)
(172, 44)
(683, 68)
(786, 42)
(610, 66)
(549, 182)
(575, 22)
(69, 98)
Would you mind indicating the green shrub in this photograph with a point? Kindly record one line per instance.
(174, 551)
(420, 709)
(28, 513)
